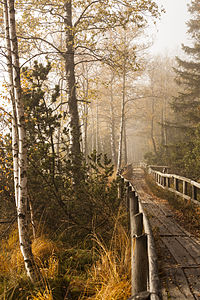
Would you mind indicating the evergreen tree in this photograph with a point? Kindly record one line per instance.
(188, 71)
(187, 103)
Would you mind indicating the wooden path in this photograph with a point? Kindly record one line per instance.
(178, 251)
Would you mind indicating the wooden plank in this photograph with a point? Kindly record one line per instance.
(192, 247)
(178, 285)
(166, 211)
(173, 278)
(171, 227)
(180, 254)
(193, 276)
(157, 225)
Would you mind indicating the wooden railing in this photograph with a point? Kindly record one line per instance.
(181, 186)
(144, 275)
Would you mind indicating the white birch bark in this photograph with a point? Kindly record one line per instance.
(11, 90)
(24, 240)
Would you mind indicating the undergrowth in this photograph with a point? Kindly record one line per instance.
(186, 212)
(101, 272)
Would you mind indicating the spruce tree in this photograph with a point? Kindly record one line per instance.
(188, 72)
(187, 103)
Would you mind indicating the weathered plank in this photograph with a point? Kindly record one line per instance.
(168, 226)
(174, 281)
(192, 248)
(193, 276)
(180, 254)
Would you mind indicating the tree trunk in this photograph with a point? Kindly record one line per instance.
(74, 126)
(125, 145)
(152, 127)
(98, 147)
(24, 240)
(86, 130)
(11, 90)
(85, 117)
(162, 126)
(93, 133)
(122, 116)
(112, 125)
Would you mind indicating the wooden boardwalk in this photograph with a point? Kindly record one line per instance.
(178, 251)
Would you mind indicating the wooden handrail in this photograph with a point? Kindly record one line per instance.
(144, 274)
(160, 179)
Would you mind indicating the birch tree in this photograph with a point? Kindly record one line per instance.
(19, 139)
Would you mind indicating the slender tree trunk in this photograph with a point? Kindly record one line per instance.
(11, 89)
(61, 101)
(162, 126)
(93, 132)
(165, 124)
(59, 128)
(85, 116)
(122, 116)
(112, 125)
(86, 130)
(74, 130)
(98, 148)
(152, 126)
(125, 145)
(24, 240)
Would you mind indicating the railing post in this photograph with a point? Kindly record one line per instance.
(194, 192)
(140, 264)
(164, 181)
(176, 184)
(168, 182)
(137, 225)
(134, 205)
(126, 194)
(185, 187)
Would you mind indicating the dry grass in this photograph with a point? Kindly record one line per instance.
(11, 257)
(46, 295)
(109, 278)
(42, 248)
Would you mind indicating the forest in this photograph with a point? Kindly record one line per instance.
(81, 98)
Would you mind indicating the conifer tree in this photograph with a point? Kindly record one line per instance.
(188, 71)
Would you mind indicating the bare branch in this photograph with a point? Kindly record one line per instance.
(84, 11)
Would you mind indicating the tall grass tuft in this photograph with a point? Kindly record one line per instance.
(109, 277)
(46, 295)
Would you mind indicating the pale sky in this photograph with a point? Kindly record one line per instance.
(171, 29)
